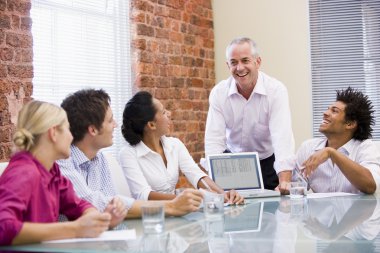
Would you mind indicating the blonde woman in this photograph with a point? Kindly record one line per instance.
(32, 190)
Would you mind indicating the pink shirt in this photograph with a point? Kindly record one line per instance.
(30, 193)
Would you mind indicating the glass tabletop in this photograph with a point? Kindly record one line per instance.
(281, 224)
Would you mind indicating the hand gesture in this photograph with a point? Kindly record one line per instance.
(117, 210)
(233, 197)
(187, 201)
(312, 163)
(92, 224)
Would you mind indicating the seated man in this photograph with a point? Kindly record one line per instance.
(92, 124)
(345, 160)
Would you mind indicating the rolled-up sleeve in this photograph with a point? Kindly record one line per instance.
(187, 165)
(13, 203)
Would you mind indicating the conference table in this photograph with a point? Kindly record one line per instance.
(277, 224)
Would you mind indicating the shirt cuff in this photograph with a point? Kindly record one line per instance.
(287, 164)
(9, 229)
(128, 202)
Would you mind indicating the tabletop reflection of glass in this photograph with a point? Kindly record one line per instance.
(335, 224)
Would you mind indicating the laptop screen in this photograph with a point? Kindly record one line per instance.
(239, 171)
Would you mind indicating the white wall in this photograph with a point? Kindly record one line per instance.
(281, 30)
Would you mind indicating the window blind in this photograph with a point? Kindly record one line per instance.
(345, 51)
(82, 44)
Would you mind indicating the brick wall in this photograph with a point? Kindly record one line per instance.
(173, 50)
(173, 47)
(16, 70)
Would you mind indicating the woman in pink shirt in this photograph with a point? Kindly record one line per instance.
(32, 190)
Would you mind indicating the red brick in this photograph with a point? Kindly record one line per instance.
(143, 29)
(176, 60)
(3, 5)
(3, 70)
(23, 7)
(162, 33)
(175, 14)
(161, 59)
(2, 36)
(18, 40)
(6, 54)
(196, 82)
(20, 71)
(138, 17)
(139, 44)
(16, 22)
(177, 82)
(161, 11)
(5, 21)
(24, 55)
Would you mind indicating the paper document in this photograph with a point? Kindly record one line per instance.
(113, 235)
(328, 195)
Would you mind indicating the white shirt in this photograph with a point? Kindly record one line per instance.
(262, 123)
(328, 177)
(145, 170)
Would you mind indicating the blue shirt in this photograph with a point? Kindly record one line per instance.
(91, 178)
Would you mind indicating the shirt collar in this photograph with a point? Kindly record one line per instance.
(79, 157)
(259, 87)
(346, 148)
(142, 149)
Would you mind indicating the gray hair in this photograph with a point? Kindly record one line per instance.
(242, 40)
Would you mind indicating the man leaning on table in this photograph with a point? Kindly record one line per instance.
(345, 159)
(250, 112)
(92, 125)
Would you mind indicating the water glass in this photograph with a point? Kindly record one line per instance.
(153, 218)
(298, 189)
(213, 206)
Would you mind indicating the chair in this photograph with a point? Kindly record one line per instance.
(3, 165)
(117, 176)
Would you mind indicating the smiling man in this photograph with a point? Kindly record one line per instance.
(250, 112)
(345, 160)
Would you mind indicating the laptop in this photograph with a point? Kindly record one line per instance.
(249, 220)
(239, 171)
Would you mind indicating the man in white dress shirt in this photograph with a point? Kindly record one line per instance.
(345, 160)
(250, 112)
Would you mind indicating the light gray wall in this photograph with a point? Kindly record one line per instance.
(281, 30)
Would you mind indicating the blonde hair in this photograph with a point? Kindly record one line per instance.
(34, 119)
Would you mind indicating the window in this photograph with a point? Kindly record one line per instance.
(345, 51)
(82, 44)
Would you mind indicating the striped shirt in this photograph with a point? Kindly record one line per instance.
(91, 178)
(328, 177)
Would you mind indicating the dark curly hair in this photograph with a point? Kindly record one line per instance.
(84, 108)
(358, 108)
(137, 113)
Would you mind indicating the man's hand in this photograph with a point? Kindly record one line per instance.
(284, 177)
(117, 210)
(187, 201)
(316, 159)
(92, 224)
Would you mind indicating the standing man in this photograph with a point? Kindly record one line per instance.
(92, 125)
(250, 112)
(345, 159)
